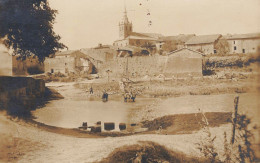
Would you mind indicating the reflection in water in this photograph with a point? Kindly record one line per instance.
(71, 113)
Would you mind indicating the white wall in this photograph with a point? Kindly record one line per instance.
(5, 62)
(250, 45)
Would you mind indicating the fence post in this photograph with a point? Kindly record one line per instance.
(235, 119)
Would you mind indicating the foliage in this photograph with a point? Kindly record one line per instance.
(206, 146)
(27, 28)
(169, 46)
(245, 136)
(238, 149)
(149, 46)
(222, 47)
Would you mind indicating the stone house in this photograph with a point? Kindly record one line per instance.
(28, 66)
(243, 43)
(205, 44)
(183, 62)
(69, 62)
(179, 40)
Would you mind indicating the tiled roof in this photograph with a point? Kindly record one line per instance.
(180, 37)
(203, 39)
(154, 35)
(185, 49)
(242, 36)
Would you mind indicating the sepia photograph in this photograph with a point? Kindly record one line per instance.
(129, 81)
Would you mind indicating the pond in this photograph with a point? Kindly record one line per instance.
(72, 111)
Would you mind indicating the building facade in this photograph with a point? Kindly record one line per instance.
(68, 62)
(243, 43)
(205, 44)
(184, 62)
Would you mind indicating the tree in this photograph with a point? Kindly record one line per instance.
(26, 26)
(222, 47)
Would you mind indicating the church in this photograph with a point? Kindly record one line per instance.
(129, 38)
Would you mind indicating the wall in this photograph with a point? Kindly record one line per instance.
(139, 66)
(6, 62)
(250, 45)
(204, 48)
(30, 65)
(60, 64)
(19, 94)
(184, 62)
(121, 43)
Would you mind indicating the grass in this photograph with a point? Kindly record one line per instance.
(148, 151)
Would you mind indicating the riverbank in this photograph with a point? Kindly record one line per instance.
(55, 147)
(56, 144)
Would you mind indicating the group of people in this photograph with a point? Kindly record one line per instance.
(104, 96)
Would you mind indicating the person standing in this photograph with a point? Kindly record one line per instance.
(91, 90)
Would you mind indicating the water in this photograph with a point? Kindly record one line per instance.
(71, 112)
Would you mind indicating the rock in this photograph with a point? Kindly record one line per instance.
(95, 128)
(122, 126)
(109, 125)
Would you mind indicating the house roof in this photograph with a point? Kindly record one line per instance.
(185, 49)
(180, 37)
(64, 53)
(203, 39)
(141, 38)
(154, 35)
(242, 36)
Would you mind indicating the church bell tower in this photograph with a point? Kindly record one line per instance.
(125, 27)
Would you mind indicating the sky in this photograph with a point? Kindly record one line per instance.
(86, 23)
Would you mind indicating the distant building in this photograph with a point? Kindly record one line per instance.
(184, 62)
(205, 44)
(28, 66)
(129, 38)
(69, 62)
(178, 41)
(243, 43)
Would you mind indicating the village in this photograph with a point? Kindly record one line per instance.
(144, 89)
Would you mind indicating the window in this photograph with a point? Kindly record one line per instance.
(244, 51)
(215, 51)
(235, 48)
(52, 71)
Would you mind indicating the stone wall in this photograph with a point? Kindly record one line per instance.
(30, 65)
(137, 66)
(19, 94)
(60, 64)
(140, 66)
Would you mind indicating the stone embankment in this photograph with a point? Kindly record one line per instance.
(19, 94)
